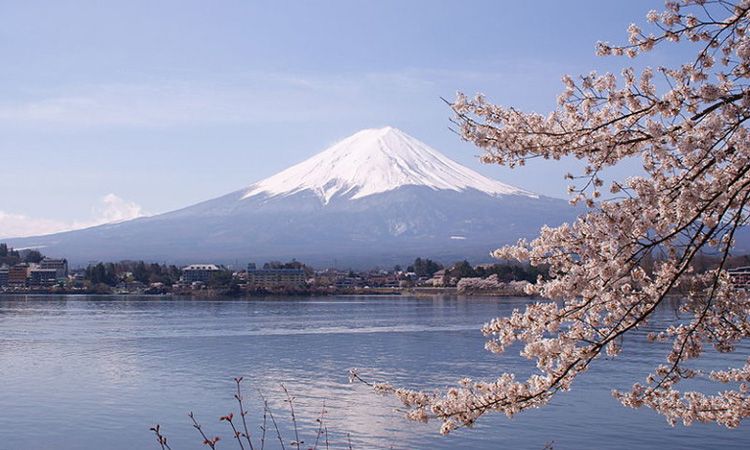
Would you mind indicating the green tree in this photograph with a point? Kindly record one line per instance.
(424, 267)
(140, 272)
(220, 279)
(101, 274)
(462, 270)
(33, 256)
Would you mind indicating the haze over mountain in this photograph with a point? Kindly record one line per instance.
(378, 197)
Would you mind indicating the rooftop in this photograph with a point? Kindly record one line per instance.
(202, 267)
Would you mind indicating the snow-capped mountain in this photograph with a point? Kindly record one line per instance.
(378, 197)
(375, 161)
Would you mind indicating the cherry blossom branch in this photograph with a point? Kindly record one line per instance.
(694, 144)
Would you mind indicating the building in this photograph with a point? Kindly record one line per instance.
(380, 279)
(438, 278)
(42, 277)
(3, 276)
(275, 278)
(59, 265)
(740, 277)
(18, 274)
(199, 273)
(350, 282)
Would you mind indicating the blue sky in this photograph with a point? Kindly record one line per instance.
(112, 109)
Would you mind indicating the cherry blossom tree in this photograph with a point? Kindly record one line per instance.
(689, 127)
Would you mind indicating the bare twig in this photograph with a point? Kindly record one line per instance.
(320, 427)
(290, 400)
(243, 413)
(237, 435)
(263, 428)
(273, 420)
(242, 434)
(160, 438)
(211, 442)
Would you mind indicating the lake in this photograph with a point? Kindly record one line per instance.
(96, 372)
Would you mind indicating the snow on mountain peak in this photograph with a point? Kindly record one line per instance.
(374, 161)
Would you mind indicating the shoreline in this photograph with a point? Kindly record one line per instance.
(215, 293)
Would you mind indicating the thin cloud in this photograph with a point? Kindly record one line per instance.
(252, 97)
(168, 104)
(112, 209)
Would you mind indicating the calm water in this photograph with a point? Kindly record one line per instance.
(97, 372)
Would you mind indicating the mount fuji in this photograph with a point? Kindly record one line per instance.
(378, 197)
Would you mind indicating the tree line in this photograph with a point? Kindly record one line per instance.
(425, 267)
(113, 273)
(9, 256)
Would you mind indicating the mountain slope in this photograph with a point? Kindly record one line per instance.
(378, 197)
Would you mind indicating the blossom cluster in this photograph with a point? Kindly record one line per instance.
(471, 285)
(635, 245)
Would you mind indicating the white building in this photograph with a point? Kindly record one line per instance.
(199, 272)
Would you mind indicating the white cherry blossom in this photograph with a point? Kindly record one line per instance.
(615, 265)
